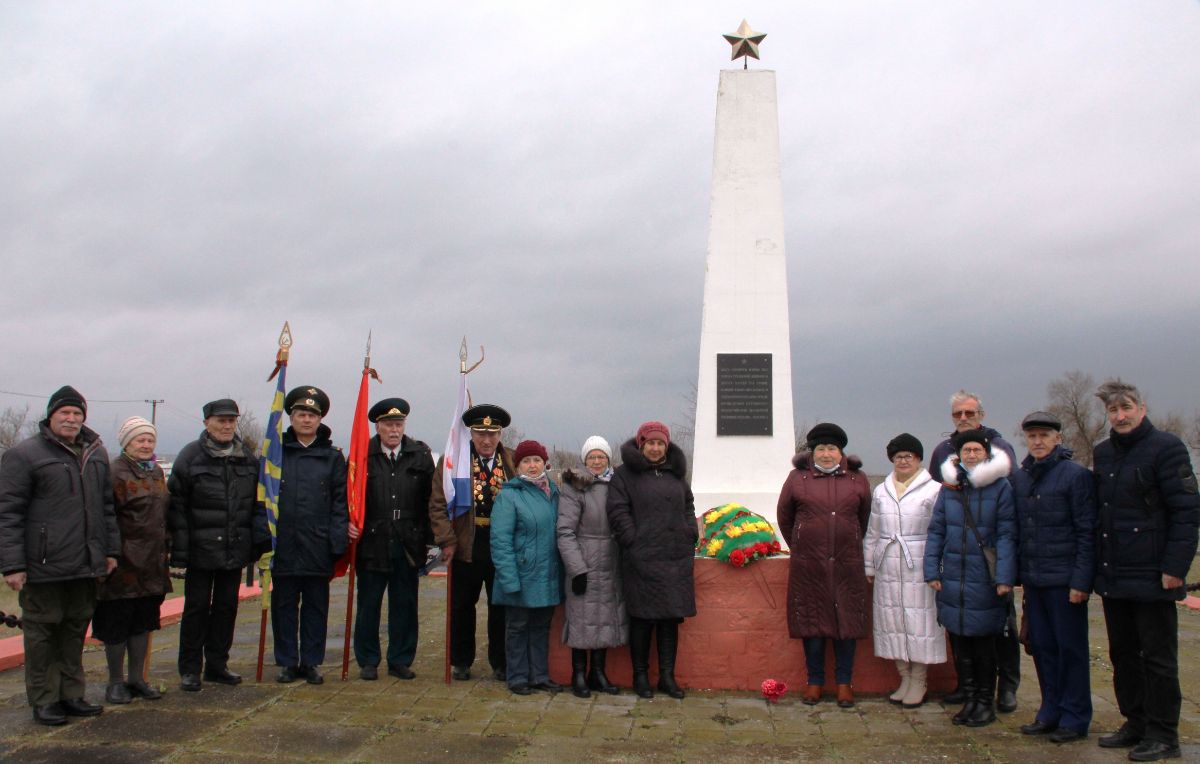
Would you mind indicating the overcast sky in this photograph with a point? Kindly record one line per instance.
(977, 194)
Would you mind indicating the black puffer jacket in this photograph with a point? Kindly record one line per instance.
(314, 521)
(1148, 513)
(56, 509)
(397, 504)
(653, 517)
(212, 506)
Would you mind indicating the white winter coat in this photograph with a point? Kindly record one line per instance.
(905, 611)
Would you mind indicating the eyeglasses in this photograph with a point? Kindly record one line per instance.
(904, 458)
(964, 414)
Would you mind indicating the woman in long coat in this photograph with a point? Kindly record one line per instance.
(528, 571)
(595, 609)
(905, 614)
(822, 512)
(972, 602)
(129, 598)
(653, 517)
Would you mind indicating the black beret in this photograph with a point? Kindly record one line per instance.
(487, 417)
(389, 408)
(66, 396)
(222, 407)
(1042, 419)
(960, 439)
(826, 433)
(905, 442)
(311, 399)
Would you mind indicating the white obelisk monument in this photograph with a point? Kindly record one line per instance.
(745, 436)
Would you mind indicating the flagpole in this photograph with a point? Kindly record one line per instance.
(265, 495)
(360, 482)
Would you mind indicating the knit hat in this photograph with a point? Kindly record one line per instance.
(595, 443)
(133, 427)
(651, 430)
(826, 434)
(530, 448)
(905, 442)
(66, 396)
(960, 439)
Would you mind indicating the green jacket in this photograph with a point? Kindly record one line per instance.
(524, 546)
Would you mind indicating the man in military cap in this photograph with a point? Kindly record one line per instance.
(58, 534)
(393, 541)
(211, 518)
(467, 540)
(312, 532)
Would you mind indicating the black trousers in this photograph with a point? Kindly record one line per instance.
(1143, 645)
(210, 605)
(466, 582)
(308, 598)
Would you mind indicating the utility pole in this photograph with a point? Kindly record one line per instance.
(154, 409)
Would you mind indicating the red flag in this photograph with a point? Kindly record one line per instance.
(356, 469)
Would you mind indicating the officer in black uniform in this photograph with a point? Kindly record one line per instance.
(395, 536)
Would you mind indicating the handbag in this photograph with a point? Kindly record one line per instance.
(989, 552)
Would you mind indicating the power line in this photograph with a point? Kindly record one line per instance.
(89, 399)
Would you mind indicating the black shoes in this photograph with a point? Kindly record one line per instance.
(51, 715)
(1065, 735)
(368, 673)
(549, 686)
(312, 675)
(288, 674)
(460, 673)
(1006, 700)
(520, 689)
(1122, 738)
(80, 707)
(117, 694)
(189, 682)
(1038, 728)
(222, 676)
(401, 672)
(142, 690)
(1153, 750)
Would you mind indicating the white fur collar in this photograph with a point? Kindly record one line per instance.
(984, 475)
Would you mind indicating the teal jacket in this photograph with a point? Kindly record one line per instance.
(524, 547)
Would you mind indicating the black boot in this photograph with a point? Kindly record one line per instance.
(964, 664)
(596, 678)
(1008, 665)
(639, 656)
(959, 694)
(985, 686)
(579, 686)
(668, 645)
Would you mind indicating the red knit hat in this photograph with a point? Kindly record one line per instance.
(530, 448)
(650, 430)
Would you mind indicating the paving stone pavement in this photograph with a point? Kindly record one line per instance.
(424, 720)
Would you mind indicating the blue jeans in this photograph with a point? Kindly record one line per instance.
(401, 587)
(527, 644)
(843, 657)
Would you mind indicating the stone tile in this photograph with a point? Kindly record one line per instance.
(51, 752)
(319, 739)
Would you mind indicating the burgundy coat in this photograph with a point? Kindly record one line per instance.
(141, 506)
(823, 518)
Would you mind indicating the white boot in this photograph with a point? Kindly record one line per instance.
(897, 697)
(916, 686)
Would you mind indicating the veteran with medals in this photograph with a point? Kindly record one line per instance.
(467, 540)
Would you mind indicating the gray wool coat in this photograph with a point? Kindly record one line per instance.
(597, 618)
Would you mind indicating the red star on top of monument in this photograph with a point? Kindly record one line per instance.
(744, 41)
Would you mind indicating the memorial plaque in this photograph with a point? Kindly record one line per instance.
(744, 394)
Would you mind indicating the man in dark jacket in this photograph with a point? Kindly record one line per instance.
(312, 532)
(967, 414)
(213, 484)
(1056, 512)
(1146, 538)
(58, 534)
(393, 543)
(467, 540)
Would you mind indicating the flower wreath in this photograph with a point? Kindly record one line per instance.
(735, 535)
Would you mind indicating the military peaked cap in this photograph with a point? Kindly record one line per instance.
(311, 399)
(389, 408)
(487, 417)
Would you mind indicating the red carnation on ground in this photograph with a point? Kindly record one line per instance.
(773, 690)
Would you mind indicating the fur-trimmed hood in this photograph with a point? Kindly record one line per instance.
(803, 461)
(676, 462)
(985, 474)
(580, 480)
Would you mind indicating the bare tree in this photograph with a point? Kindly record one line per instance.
(683, 433)
(1174, 423)
(250, 430)
(511, 437)
(1072, 398)
(15, 426)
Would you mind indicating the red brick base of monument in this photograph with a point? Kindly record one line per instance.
(739, 638)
